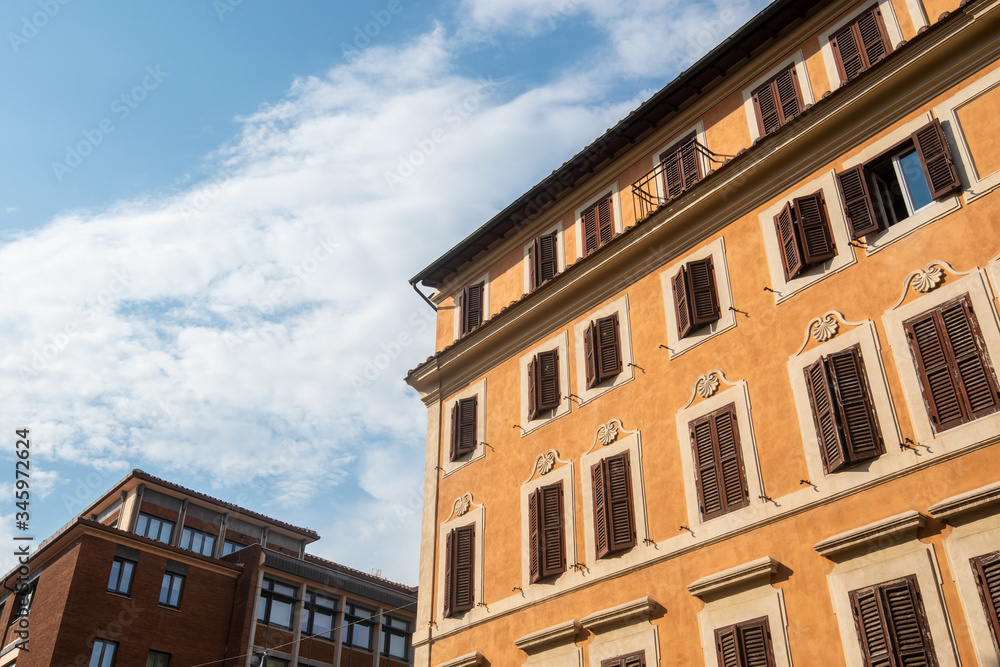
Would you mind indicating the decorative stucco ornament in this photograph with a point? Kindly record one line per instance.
(462, 505)
(545, 463)
(708, 385)
(926, 280)
(607, 433)
(826, 329)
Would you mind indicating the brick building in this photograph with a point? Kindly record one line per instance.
(722, 389)
(153, 573)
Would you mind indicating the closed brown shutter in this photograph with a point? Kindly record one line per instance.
(891, 625)
(745, 644)
(534, 543)
(682, 303)
(935, 156)
(533, 388)
(544, 264)
(608, 348)
(453, 452)
(463, 570)
(777, 101)
(791, 256)
(551, 534)
(721, 479)
(831, 438)
(789, 99)
(472, 307)
(858, 206)
(860, 44)
(605, 220)
(598, 225)
(449, 556)
(631, 660)
(591, 239)
(681, 166)
(533, 281)
(854, 406)
(766, 107)
(847, 52)
(465, 437)
(590, 353)
(734, 482)
(986, 570)
(548, 380)
(814, 227)
(599, 477)
(704, 297)
(621, 514)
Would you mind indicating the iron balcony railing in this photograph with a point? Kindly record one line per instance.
(672, 176)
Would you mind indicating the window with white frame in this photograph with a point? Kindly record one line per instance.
(697, 311)
(777, 96)
(598, 220)
(969, 116)
(544, 257)
(544, 383)
(465, 428)
(603, 344)
(472, 305)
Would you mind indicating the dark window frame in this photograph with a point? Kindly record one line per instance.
(173, 578)
(543, 384)
(986, 571)
(464, 427)
(878, 610)
(188, 535)
(268, 595)
(805, 238)
(104, 645)
(150, 519)
(159, 659)
(311, 608)
(460, 570)
(353, 620)
(543, 259)
(121, 562)
(390, 630)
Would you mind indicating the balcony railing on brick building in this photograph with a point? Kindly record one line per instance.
(677, 170)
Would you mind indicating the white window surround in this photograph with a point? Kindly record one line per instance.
(979, 430)
(976, 184)
(564, 473)
(924, 216)
(553, 646)
(891, 30)
(737, 394)
(878, 555)
(740, 594)
(627, 374)
(699, 135)
(975, 531)
(805, 87)
(560, 342)
(727, 317)
(479, 391)
(622, 630)
(616, 206)
(485, 279)
(785, 289)
(893, 460)
(626, 441)
(560, 253)
(473, 514)
(993, 269)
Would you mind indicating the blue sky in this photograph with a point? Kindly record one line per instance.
(210, 211)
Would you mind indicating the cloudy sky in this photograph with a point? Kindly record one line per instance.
(209, 212)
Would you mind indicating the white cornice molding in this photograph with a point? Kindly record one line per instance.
(977, 499)
(895, 528)
(741, 575)
(636, 610)
(562, 633)
(469, 660)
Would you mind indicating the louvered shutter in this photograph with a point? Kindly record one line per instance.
(621, 514)
(755, 643)
(831, 439)
(873, 632)
(631, 660)
(467, 431)
(472, 307)
(704, 304)
(973, 370)
(449, 556)
(766, 108)
(690, 165)
(591, 238)
(858, 204)
(777, 101)
(726, 647)
(986, 569)
(935, 369)
(605, 220)
(935, 156)
(545, 252)
(533, 388)
(548, 380)
(863, 440)
(891, 625)
(786, 86)
(454, 432)
(682, 303)
(533, 281)
(872, 35)
(608, 348)
(553, 552)
(814, 227)
(706, 463)
(860, 44)
(590, 346)
(721, 482)
(681, 166)
(464, 569)
(847, 53)
(791, 256)
(734, 484)
(534, 543)
(600, 479)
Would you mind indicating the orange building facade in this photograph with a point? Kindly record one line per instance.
(723, 390)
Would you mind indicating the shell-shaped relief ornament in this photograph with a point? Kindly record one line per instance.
(545, 463)
(462, 505)
(708, 385)
(607, 434)
(925, 281)
(826, 329)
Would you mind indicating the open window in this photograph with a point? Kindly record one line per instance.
(804, 235)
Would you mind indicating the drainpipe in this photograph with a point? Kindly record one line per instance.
(423, 296)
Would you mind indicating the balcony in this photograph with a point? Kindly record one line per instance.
(679, 168)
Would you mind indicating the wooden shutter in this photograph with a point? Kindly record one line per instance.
(621, 513)
(935, 156)
(533, 388)
(547, 386)
(847, 52)
(590, 346)
(551, 534)
(449, 556)
(682, 303)
(544, 252)
(777, 101)
(814, 229)
(745, 644)
(466, 436)
(766, 108)
(704, 302)
(968, 350)
(631, 660)
(608, 348)
(786, 86)
(858, 204)
(463, 570)
(791, 256)
(454, 432)
(721, 479)
(599, 477)
(605, 219)
(681, 166)
(860, 44)
(591, 239)
(986, 570)
(472, 307)
(734, 484)
(821, 398)
(891, 625)
(598, 225)
(872, 36)
(533, 281)
(534, 543)
(863, 440)
(726, 647)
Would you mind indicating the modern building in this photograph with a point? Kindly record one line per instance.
(159, 575)
(722, 389)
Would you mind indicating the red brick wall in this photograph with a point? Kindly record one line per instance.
(245, 608)
(355, 657)
(318, 649)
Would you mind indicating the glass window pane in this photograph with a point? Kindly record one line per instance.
(916, 182)
(322, 625)
(141, 525)
(281, 613)
(165, 589)
(262, 610)
(283, 589)
(397, 646)
(116, 568)
(208, 547)
(362, 636)
(126, 579)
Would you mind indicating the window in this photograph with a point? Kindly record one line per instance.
(170, 589)
(630, 660)
(745, 644)
(777, 101)
(261, 661)
(956, 376)
(157, 659)
(696, 300)
(395, 637)
(842, 410)
(720, 475)
(804, 234)
(543, 259)
(614, 511)
(986, 570)
(891, 625)
(229, 547)
(472, 307)
(860, 44)
(602, 347)
(358, 626)
(154, 528)
(197, 541)
(25, 595)
(464, 428)
(598, 223)
(103, 653)
(896, 184)
(459, 576)
(120, 580)
(546, 538)
(317, 615)
(276, 602)
(543, 383)
(681, 166)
